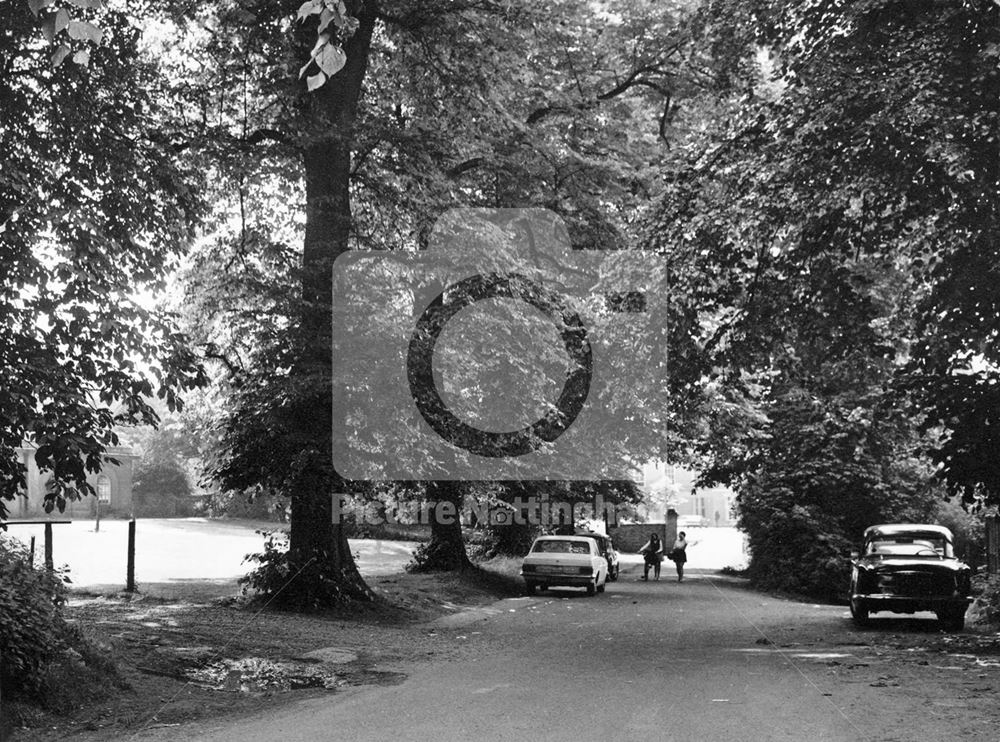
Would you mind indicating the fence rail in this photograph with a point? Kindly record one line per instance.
(129, 558)
(48, 536)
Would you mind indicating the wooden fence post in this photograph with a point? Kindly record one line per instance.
(48, 546)
(31, 552)
(130, 570)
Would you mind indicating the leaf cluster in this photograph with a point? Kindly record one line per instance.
(91, 210)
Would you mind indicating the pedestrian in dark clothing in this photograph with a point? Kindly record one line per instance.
(652, 553)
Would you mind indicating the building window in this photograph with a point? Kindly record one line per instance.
(103, 489)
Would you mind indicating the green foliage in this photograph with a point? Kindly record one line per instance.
(334, 24)
(471, 103)
(796, 548)
(274, 569)
(92, 207)
(830, 464)
(960, 410)
(255, 504)
(161, 489)
(32, 629)
(501, 541)
(988, 601)
(47, 662)
(304, 583)
(969, 529)
(170, 461)
(833, 234)
(434, 556)
(66, 24)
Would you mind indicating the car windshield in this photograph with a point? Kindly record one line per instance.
(912, 545)
(562, 547)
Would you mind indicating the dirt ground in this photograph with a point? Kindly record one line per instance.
(192, 658)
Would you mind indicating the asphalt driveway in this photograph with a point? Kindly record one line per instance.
(706, 659)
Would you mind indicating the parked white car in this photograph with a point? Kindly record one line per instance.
(573, 561)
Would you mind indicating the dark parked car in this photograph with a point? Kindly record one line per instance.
(905, 568)
(607, 550)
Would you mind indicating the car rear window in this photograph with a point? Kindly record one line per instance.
(915, 545)
(602, 544)
(564, 547)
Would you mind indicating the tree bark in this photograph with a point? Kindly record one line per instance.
(319, 551)
(446, 550)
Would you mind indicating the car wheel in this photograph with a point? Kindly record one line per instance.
(613, 574)
(529, 588)
(952, 620)
(859, 612)
(600, 588)
(591, 588)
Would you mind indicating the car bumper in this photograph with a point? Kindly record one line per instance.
(552, 578)
(875, 602)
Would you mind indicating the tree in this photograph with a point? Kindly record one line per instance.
(829, 218)
(92, 207)
(161, 488)
(428, 111)
(169, 466)
(287, 421)
(537, 120)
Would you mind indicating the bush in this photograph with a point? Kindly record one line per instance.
(274, 569)
(32, 629)
(795, 548)
(986, 609)
(968, 528)
(254, 504)
(512, 540)
(277, 581)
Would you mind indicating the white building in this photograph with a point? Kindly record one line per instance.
(112, 487)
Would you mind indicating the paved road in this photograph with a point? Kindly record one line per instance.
(703, 660)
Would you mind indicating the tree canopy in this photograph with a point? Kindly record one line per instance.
(92, 207)
(813, 186)
(820, 234)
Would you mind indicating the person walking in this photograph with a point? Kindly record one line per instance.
(652, 553)
(678, 554)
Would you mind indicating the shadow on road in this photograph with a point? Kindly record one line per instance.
(922, 624)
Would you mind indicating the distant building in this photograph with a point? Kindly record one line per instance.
(669, 486)
(113, 485)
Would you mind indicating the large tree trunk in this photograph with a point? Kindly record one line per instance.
(319, 546)
(446, 550)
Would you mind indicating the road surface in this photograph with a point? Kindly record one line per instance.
(703, 660)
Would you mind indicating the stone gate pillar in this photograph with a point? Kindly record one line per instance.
(670, 530)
